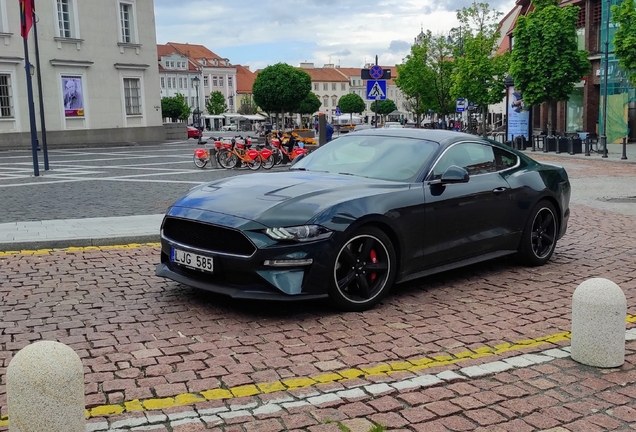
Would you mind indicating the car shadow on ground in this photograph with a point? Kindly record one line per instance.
(294, 309)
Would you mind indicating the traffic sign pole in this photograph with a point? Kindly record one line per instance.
(376, 99)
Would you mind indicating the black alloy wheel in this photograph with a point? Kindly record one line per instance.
(540, 235)
(363, 271)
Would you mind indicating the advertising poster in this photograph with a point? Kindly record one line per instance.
(73, 96)
(518, 118)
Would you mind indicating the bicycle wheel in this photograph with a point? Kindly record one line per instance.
(199, 163)
(227, 159)
(278, 155)
(254, 164)
(269, 162)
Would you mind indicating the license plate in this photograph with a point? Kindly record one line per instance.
(192, 260)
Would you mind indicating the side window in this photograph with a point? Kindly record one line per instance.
(475, 158)
(504, 159)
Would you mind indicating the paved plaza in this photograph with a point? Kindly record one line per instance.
(481, 348)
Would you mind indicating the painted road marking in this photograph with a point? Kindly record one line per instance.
(78, 249)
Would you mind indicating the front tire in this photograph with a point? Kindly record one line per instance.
(227, 159)
(363, 270)
(269, 162)
(539, 237)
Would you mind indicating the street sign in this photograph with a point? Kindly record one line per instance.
(365, 74)
(376, 90)
(460, 105)
(376, 72)
(338, 112)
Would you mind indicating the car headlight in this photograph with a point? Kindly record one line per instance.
(299, 233)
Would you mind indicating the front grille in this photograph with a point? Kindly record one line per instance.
(207, 237)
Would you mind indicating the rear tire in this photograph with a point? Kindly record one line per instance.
(269, 162)
(200, 163)
(539, 237)
(363, 270)
(254, 164)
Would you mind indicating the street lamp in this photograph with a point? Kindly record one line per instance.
(605, 77)
(196, 114)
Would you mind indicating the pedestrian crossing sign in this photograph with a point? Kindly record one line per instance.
(376, 89)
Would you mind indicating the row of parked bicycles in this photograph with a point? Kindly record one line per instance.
(238, 151)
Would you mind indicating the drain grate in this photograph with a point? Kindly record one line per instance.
(620, 200)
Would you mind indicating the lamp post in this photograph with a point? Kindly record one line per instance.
(196, 114)
(605, 77)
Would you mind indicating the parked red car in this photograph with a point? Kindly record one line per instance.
(194, 132)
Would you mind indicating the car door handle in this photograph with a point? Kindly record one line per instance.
(499, 190)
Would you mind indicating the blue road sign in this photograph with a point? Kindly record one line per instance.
(376, 72)
(338, 111)
(460, 105)
(376, 90)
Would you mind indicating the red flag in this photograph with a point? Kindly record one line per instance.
(26, 17)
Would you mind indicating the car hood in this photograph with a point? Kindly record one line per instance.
(282, 199)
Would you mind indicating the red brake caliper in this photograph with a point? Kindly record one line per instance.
(374, 260)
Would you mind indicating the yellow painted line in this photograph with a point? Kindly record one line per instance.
(385, 369)
(78, 249)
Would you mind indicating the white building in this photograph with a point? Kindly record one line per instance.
(177, 75)
(217, 73)
(329, 85)
(99, 79)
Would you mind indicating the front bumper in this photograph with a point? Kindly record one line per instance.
(248, 277)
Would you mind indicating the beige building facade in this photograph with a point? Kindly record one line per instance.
(100, 82)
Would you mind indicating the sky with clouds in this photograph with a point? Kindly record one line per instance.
(348, 33)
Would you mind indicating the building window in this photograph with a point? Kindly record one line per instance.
(127, 23)
(192, 100)
(214, 81)
(169, 82)
(231, 101)
(6, 99)
(132, 96)
(4, 25)
(333, 86)
(325, 101)
(316, 86)
(65, 19)
(229, 81)
(343, 86)
(220, 81)
(325, 86)
(163, 82)
(180, 83)
(174, 82)
(207, 100)
(334, 100)
(206, 81)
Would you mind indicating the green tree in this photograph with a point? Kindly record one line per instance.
(351, 103)
(546, 62)
(175, 108)
(216, 104)
(479, 74)
(309, 105)
(440, 62)
(281, 88)
(625, 38)
(248, 107)
(415, 80)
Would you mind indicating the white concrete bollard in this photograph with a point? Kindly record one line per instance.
(599, 310)
(45, 389)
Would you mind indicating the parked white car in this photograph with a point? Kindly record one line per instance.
(229, 127)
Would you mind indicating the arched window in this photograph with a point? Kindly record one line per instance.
(325, 101)
(334, 100)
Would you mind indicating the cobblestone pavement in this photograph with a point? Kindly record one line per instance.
(161, 356)
(98, 182)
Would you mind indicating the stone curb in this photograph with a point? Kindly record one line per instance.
(78, 242)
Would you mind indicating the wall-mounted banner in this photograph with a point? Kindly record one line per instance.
(518, 117)
(73, 96)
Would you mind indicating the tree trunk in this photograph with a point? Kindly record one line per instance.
(282, 119)
(484, 116)
(550, 107)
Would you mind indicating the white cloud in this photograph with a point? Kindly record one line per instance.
(261, 32)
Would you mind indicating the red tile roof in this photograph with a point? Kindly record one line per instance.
(244, 79)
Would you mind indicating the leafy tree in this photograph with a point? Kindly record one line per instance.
(281, 88)
(440, 62)
(625, 38)
(351, 103)
(415, 78)
(386, 106)
(248, 107)
(479, 75)
(216, 104)
(309, 105)
(175, 108)
(546, 62)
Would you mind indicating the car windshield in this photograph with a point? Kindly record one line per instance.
(373, 156)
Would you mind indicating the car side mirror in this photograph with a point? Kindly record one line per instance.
(453, 174)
